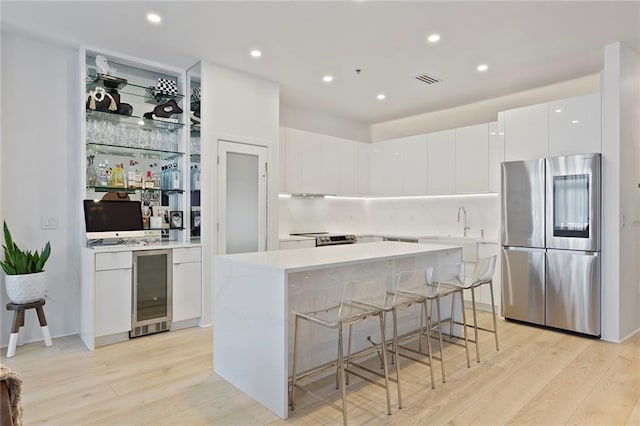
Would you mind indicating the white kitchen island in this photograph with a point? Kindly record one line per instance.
(256, 293)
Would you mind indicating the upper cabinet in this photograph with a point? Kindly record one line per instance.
(414, 165)
(527, 132)
(385, 169)
(575, 125)
(565, 127)
(319, 164)
(496, 154)
(472, 159)
(441, 159)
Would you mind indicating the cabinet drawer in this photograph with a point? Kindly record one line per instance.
(185, 255)
(108, 261)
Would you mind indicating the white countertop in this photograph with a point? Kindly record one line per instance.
(138, 247)
(309, 258)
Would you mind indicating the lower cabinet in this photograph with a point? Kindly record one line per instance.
(187, 283)
(483, 295)
(369, 239)
(112, 293)
(296, 244)
(106, 311)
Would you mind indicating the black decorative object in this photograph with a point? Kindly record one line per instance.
(176, 220)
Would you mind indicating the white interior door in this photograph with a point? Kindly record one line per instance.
(242, 198)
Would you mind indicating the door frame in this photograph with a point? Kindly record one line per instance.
(221, 194)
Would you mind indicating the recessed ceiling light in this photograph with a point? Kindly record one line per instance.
(154, 18)
(255, 53)
(434, 38)
(575, 121)
(327, 78)
(381, 96)
(493, 133)
(501, 133)
(558, 110)
(140, 122)
(483, 67)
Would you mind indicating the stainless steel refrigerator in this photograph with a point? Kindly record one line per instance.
(550, 237)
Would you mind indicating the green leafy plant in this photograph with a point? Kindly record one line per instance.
(18, 262)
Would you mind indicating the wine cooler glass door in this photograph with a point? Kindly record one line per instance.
(152, 290)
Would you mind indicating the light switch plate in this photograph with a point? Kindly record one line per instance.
(49, 222)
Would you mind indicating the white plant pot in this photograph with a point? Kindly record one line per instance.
(26, 288)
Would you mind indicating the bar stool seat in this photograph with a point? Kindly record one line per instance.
(18, 321)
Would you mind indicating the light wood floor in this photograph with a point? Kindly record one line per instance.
(538, 377)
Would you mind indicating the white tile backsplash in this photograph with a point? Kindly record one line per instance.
(419, 216)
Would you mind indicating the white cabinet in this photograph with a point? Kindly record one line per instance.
(385, 169)
(484, 295)
(294, 148)
(113, 294)
(472, 159)
(496, 155)
(296, 244)
(441, 158)
(320, 164)
(348, 174)
(187, 283)
(282, 172)
(369, 239)
(526, 132)
(575, 125)
(414, 164)
(364, 154)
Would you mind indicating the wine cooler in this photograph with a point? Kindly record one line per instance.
(152, 292)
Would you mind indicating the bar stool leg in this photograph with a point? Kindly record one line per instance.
(440, 337)
(348, 355)
(475, 322)
(428, 320)
(292, 398)
(343, 384)
(493, 310)
(383, 349)
(464, 328)
(395, 353)
(44, 326)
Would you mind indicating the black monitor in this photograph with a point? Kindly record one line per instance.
(112, 219)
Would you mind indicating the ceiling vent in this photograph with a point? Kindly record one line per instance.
(428, 79)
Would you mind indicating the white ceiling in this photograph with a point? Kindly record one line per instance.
(525, 44)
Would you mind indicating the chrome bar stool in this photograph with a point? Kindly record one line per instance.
(482, 273)
(398, 296)
(421, 283)
(341, 314)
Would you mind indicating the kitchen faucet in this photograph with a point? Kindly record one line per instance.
(464, 212)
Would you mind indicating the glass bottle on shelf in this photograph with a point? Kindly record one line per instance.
(131, 175)
(92, 176)
(175, 177)
(155, 174)
(195, 178)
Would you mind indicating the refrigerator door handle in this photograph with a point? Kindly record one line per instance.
(580, 252)
(529, 249)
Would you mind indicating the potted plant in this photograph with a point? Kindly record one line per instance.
(25, 279)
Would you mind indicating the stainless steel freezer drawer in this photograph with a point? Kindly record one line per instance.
(523, 291)
(573, 291)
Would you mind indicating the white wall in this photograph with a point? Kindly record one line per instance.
(39, 168)
(238, 107)
(482, 112)
(621, 210)
(318, 122)
(411, 216)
